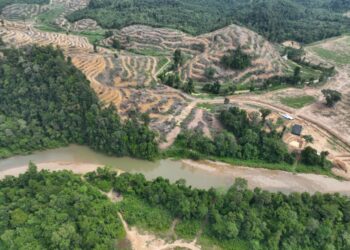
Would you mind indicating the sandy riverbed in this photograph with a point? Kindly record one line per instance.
(275, 180)
(75, 167)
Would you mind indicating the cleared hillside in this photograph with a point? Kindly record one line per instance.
(205, 51)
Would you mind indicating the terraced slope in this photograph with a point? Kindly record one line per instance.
(115, 80)
(23, 11)
(206, 51)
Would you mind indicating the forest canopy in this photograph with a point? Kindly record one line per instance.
(302, 20)
(45, 102)
(60, 210)
(42, 210)
(259, 219)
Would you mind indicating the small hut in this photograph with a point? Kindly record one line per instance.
(297, 129)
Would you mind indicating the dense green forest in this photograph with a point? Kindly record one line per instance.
(3, 3)
(302, 20)
(42, 210)
(258, 219)
(45, 102)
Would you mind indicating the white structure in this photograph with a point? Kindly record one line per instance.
(288, 117)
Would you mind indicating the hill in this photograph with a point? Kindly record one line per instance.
(45, 102)
(205, 51)
(278, 20)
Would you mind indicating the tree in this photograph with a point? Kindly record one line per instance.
(212, 87)
(108, 33)
(95, 43)
(232, 88)
(236, 60)
(332, 97)
(216, 87)
(209, 72)
(265, 113)
(1, 42)
(309, 156)
(116, 44)
(296, 75)
(189, 86)
(308, 138)
(177, 58)
(226, 145)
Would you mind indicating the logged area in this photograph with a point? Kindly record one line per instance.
(206, 92)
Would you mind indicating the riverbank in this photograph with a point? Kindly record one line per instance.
(75, 167)
(274, 180)
(207, 171)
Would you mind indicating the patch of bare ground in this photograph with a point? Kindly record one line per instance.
(78, 168)
(291, 44)
(147, 241)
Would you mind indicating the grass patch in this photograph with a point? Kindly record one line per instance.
(296, 168)
(138, 213)
(187, 229)
(297, 101)
(338, 58)
(306, 72)
(208, 106)
(149, 52)
(162, 61)
(46, 20)
(92, 36)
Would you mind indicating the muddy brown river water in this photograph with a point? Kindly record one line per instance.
(196, 174)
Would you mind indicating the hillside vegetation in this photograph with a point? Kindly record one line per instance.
(46, 102)
(278, 20)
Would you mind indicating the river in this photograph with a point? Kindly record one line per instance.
(197, 174)
(172, 170)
